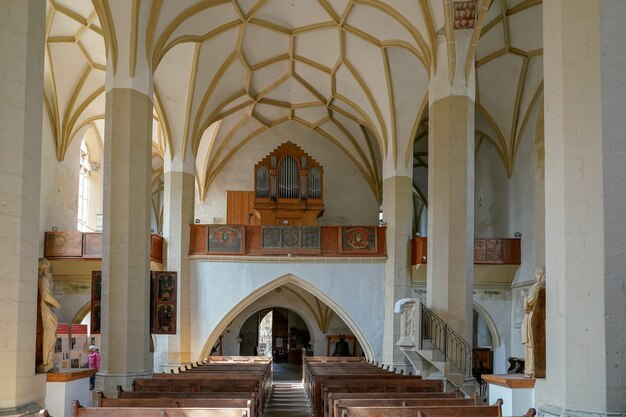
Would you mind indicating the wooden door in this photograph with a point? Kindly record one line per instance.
(239, 208)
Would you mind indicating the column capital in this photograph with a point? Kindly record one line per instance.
(124, 24)
(460, 82)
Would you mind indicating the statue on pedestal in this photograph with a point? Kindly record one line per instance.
(534, 328)
(47, 319)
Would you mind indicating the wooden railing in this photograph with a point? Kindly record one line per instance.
(78, 245)
(336, 241)
(487, 251)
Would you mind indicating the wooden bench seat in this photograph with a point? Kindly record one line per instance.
(172, 402)
(121, 393)
(80, 411)
(391, 384)
(197, 384)
(201, 384)
(332, 396)
(423, 411)
(399, 402)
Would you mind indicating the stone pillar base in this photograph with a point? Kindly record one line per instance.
(107, 382)
(26, 410)
(547, 410)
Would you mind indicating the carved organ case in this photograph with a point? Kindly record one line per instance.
(288, 187)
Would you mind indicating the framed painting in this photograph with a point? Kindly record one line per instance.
(163, 286)
(96, 299)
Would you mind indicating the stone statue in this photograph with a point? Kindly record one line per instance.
(48, 318)
(533, 328)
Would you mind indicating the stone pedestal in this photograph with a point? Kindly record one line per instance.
(516, 391)
(64, 387)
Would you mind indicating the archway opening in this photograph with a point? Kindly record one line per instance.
(311, 324)
(276, 332)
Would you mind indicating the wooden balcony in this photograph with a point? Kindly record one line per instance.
(88, 246)
(331, 241)
(495, 259)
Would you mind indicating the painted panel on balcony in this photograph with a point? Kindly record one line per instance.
(63, 245)
(295, 237)
(227, 239)
(358, 239)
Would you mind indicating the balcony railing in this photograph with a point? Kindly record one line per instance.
(487, 251)
(78, 245)
(331, 241)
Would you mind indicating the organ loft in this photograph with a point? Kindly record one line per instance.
(208, 180)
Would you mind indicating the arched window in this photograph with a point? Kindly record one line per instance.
(83, 190)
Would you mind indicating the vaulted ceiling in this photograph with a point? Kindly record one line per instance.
(354, 71)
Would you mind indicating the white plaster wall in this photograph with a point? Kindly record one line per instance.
(96, 154)
(348, 199)
(59, 185)
(70, 304)
(218, 287)
(522, 215)
(504, 206)
(522, 219)
(491, 190)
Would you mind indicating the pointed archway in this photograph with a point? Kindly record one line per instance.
(278, 283)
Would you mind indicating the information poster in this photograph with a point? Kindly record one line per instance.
(79, 346)
(62, 347)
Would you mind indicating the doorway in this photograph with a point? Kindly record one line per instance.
(277, 332)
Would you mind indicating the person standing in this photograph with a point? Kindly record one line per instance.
(93, 360)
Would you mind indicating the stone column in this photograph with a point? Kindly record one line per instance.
(398, 214)
(585, 150)
(177, 216)
(22, 26)
(126, 239)
(450, 268)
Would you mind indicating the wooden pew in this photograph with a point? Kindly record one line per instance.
(424, 411)
(171, 402)
(332, 396)
(80, 411)
(238, 359)
(138, 394)
(475, 411)
(394, 383)
(202, 384)
(228, 372)
(399, 402)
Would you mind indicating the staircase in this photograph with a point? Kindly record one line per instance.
(287, 399)
(435, 350)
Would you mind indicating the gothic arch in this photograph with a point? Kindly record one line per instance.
(491, 325)
(82, 313)
(270, 286)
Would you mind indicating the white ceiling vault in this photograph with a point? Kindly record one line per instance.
(355, 71)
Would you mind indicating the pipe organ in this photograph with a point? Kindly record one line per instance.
(288, 187)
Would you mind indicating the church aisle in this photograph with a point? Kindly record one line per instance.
(287, 398)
